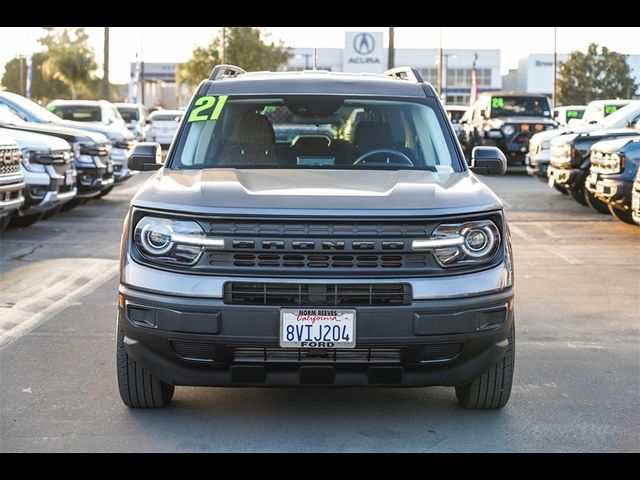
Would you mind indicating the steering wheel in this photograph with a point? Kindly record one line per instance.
(380, 151)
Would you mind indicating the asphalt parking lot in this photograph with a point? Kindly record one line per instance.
(577, 370)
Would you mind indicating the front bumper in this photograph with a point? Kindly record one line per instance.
(11, 194)
(204, 342)
(51, 200)
(92, 180)
(613, 190)
(564, 177)
(537, 165)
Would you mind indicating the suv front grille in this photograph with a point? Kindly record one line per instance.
(61, 168)
(318, 260)
(298, 294)
(9, 160)
(317, 230)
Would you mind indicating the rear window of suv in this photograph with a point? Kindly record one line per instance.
(78, 113)
(314, 131)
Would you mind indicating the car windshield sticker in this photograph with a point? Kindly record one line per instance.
(203, 105)
(609, 109)
(572, 114)
(497, 102)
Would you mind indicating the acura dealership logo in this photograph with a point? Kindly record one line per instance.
(364, 44)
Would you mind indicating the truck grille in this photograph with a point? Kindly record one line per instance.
(344, 294)
(9, 160)
(61, 168)
(318, 230)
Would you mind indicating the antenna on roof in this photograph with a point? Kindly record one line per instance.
(315, 58)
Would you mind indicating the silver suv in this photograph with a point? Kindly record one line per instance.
(253, 258)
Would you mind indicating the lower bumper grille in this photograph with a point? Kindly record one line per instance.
(286, 294)
(306, 355)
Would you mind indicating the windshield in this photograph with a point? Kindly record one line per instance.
(129, 114)
(33, 109)
(79, 113)
(620, 117)
(520, 106)
(313, 131)
(8, 117)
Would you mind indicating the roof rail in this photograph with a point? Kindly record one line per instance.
(220, 71)
(405, 73)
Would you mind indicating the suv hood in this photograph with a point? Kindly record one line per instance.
(35, 141)
(313, 192)
(615, 145)
(71, 135)
(115, 132)
(556, 132)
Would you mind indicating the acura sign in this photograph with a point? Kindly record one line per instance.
(364, 52)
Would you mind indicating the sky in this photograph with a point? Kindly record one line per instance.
(175, 44)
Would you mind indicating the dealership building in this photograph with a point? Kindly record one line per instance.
(365, 52)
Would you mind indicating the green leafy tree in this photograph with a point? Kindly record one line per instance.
(43, 88)
(598, 74)
(70, 60)
(247, 47)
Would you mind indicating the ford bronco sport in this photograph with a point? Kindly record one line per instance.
(316, 261)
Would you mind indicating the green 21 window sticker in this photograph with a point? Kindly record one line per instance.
(497, 102)
(208, 102)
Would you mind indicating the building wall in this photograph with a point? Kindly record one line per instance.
(456, 83)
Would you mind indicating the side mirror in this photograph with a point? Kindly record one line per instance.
(488, 161)
(632, 124)
(145, 156)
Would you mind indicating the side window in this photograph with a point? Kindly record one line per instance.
(13, 110)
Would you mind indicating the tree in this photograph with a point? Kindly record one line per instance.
(246, 47)
(598, 74)
(70, 60)
(43, 88)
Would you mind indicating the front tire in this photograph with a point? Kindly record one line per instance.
(622, 215)
(138, 387)
(598, 205)
(578, 196)
(71, 204)
(106, 191)
(491, 390)
(26, 220)
(560, 189)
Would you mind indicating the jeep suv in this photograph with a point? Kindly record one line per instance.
(506, 120)
(378, 261)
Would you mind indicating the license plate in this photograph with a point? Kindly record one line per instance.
(109, 168)
(635, 203)
(551, 180)
(317, 328)
(68, 177)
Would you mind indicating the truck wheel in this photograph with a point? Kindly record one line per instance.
(491, 389)
(52, 212)
(560, 189)
(138, 387)
(598, 205)
(4, 223)
(622, 215)
(26, 220)
(106, 191)
(578, 196)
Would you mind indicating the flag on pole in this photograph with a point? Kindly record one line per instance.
(29, 75)
(134, 84)
(474, 82)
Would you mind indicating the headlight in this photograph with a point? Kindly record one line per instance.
(27, 156)
(469, 243)
(607, 163)
(508, 129)
(172, 241)
(77, 148)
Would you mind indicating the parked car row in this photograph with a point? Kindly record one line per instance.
(595, 162)
(49, 163)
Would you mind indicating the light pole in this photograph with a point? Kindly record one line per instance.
(439, 71)
(555, 66)
(446, 73)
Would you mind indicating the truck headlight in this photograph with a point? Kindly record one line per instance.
(508, 129)
(27, 156)
(608, 163)
(172, 241)
(80, 157)
(468, 243)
